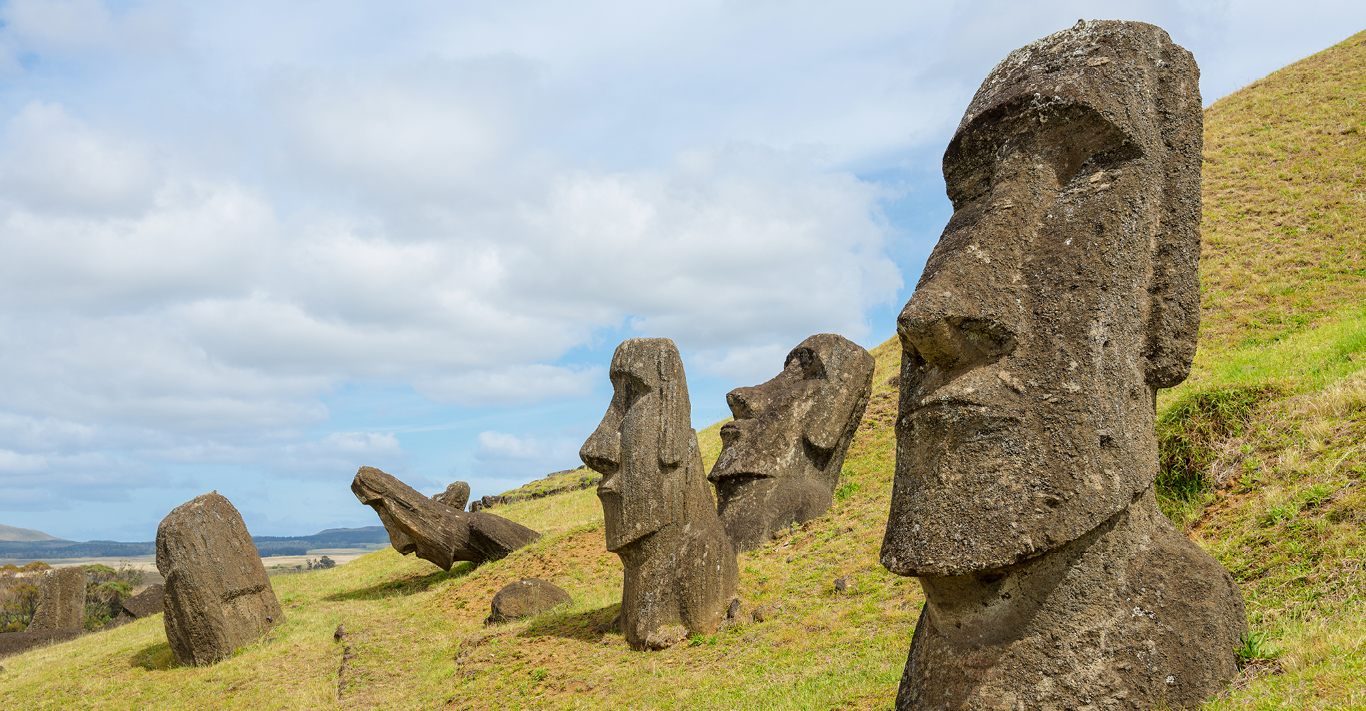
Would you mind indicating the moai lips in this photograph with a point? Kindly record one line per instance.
(660, 518)
(781, 456)
(1062, 295)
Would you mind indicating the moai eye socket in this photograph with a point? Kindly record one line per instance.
(1075, 139)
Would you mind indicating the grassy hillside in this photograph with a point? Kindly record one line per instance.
(1266, 447)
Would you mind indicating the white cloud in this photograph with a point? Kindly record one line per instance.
(751, 366)
(39, 482)
(337, 456)
(512, 384)
(517, 459)
(55, 163)
(500, 445)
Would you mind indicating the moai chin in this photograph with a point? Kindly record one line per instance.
(660, 516)
(1062, 295)
(781, 456)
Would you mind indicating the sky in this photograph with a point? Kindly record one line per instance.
(251, 246)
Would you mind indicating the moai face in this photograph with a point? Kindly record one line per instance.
(642, 441)
(781, 456)
(1061, 296)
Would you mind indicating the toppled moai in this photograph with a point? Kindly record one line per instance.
(61, 600)
(660, 517)
(217, 596)
(435, 531)
(781, 456)
(456, 495)
(1062, 295)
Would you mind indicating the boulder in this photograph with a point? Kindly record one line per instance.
(61, 601)
(525, 598)
(217, 596)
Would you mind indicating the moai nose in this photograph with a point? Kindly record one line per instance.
(746, 402)
(602, 451)
(950, 336)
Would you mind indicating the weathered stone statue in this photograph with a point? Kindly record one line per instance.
(456, 495)
(217, 596)
(1062, 295)
(61, 600)
(781, 456)
(660, 516)
(435, 531)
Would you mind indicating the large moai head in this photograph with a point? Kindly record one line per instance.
(781, 456)
(644, 442)
(1062, 294)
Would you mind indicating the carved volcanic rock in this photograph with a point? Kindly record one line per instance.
(61, 601)
(661, 520)
(1062, 295)
(525, 598)
(217, 595)
(782, 454)
(436, 532)
(455, 496)
(146, 603)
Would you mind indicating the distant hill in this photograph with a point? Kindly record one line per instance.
(50, 548)
(10, 533)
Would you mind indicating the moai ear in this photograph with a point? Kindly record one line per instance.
(842, 397)
(825, 424)
(1173, 318)
(675, 411)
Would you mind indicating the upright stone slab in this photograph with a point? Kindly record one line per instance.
(661, 520)
(782, 454)
(217, 596)
(433, 530)
(61, 600)
(1062, 295)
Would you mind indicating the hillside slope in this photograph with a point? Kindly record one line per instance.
(1266, 460)
(10, 533)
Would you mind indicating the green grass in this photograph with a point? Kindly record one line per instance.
(1264, 453)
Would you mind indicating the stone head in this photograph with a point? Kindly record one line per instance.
(1062, 294)
(781, 455)
(643, 443)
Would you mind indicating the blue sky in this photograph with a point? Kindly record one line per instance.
(251, 246)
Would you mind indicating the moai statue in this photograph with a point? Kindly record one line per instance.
(781, 456)
(434, 531)
(1062, 295)
(660, 516)
(217, 596)
(61, 600)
